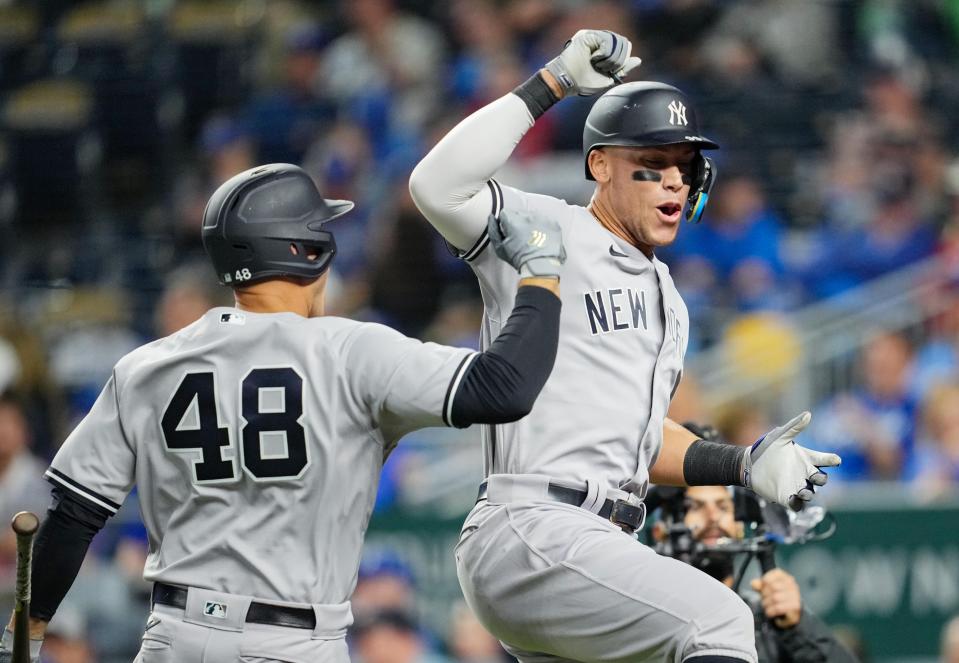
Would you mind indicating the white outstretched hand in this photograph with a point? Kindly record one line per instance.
(781, 471)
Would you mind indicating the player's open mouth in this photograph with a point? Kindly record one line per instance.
(670, 211)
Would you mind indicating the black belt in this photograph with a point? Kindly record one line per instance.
(620, 512)
(259, 613)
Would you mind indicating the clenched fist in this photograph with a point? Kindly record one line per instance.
(592, 61)
(781, 601)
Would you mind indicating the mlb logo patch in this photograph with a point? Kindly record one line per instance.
(215, 609)
(232, 319)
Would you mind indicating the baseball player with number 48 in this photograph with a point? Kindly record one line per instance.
(256, 434)
(548, 559)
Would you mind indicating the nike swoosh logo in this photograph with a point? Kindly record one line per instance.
(615, 253)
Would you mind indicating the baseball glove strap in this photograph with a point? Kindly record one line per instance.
(259, 613)
(628, 516)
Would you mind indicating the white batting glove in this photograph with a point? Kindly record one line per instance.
(779, 470)
(6, 647)
(592, 61)
(531, 242)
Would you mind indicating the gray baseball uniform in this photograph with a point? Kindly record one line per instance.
(252, 438)
(553, 581)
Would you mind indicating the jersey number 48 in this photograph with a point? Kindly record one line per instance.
(191, 422)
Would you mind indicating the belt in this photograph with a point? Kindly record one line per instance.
(620, 512)
(259, 613)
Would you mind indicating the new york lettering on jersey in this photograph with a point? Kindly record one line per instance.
(621, 316)
(620, 311)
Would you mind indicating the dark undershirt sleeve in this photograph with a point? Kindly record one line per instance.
(59, 549)
(502, 383)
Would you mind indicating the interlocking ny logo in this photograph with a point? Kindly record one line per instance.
(537, 238)
(677, 113)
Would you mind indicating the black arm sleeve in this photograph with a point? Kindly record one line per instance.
(60, 547)
(502, 383)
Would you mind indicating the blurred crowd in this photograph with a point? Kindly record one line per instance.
(119, 118)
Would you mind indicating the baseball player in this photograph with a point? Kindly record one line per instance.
(547, 558)
(256, 435)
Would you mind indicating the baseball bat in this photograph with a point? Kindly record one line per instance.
(25, 526)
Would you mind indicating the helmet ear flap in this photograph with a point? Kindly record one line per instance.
(704, 175)
(326, 249)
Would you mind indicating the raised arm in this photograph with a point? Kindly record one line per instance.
(503, 382)
(410, 385)
(451, 185)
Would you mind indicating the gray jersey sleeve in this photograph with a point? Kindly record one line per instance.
(96, 461)
(407, 384)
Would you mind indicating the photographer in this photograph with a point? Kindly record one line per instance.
(785, 631)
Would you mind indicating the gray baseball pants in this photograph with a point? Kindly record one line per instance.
(555, 582)
(174, 635)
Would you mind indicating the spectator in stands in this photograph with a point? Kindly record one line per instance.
(937, 452)
(872, 426)
(797, 40)
(470, 642)
(406, 282)
(386, 629)
(225, 150)
(950, 641)
(384, 582)
(9, 365)
(458, 319)
(85, 336)
(735, 251)
(743, 423)
(22, 487)
(284, 121)
(937, 360)
(390, 636)
(385, 72)
(190, 291)
(894, 236)
(343, 164)
(483, 37)
(228, 148)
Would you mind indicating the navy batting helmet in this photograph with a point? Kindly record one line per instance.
(646, 114)
(252, 220)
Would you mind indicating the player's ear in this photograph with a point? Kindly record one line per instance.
(598, 162)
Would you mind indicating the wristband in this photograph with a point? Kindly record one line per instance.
(536, 94)
(714, 464)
